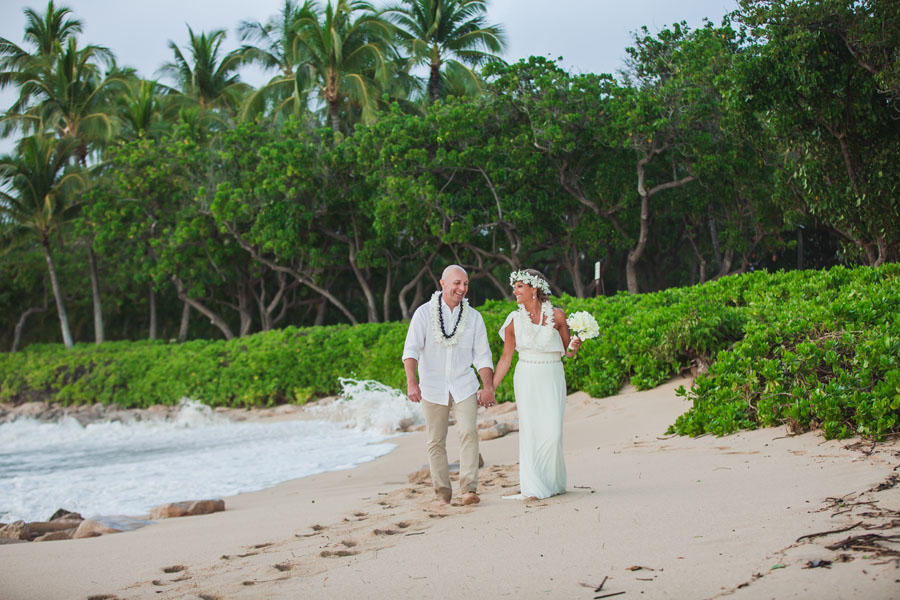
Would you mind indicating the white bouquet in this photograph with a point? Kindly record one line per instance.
(583, 326)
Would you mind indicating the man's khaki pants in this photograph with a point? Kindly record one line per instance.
(437, 417)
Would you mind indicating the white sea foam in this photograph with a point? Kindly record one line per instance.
(368, 405)
(126, 469)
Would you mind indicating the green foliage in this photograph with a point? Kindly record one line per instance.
(810, 349)
(289, 365)
(820, 350)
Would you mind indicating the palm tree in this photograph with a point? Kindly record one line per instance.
(46, 33)
(61, 90)
(206, 80)
(35, 188)
(445, 36)
(143, 109)
(68, 94)
(346, 56)
(279, 47)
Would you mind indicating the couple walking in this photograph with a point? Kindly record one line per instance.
(447, 337)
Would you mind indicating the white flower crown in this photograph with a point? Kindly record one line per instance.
(532, 280)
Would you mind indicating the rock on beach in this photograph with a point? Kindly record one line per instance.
(187, 509)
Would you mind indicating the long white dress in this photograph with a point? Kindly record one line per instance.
(540, 387)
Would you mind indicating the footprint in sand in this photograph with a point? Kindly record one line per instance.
(209, 597)
(284, 566)
(338, 553)
(265, 545)
(349, 543)
(402, 524)
(384, 532)
(174, 569)
(316, 530)
(103, 597)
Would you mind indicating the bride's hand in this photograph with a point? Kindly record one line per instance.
(574, 345)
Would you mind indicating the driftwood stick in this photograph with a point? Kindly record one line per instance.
(812, 535)
(863, 540)
(608, 595)
(600, 587)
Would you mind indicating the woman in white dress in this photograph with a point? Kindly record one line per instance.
(539, 332)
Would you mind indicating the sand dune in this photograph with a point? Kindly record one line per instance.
(650, 515)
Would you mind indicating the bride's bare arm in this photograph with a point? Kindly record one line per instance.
(559, 321)
(509, 347)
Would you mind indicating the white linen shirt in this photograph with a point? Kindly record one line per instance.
(447, 370)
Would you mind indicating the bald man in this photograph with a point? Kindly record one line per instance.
(446, 338)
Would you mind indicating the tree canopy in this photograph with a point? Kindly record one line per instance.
(392, 140)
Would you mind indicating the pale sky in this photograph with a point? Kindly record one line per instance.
(590, 35)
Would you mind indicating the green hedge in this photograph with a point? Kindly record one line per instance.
(812, 349)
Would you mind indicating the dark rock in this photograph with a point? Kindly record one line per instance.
(66, 514)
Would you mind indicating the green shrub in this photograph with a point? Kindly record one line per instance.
(810, 349)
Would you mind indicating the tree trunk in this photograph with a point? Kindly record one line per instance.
(334, 111)
(95, 292)
(635, 254)
(302, 278)
(799, 247)
(415, 282)
(727, 260)
(714, 237)
(371, 308)
(573, 266)
(20, 325)
(215, 319)
(320, 313)
(418, 296)
(386, 299)
(434, 82)
(185, 322)
(151, 299)
(57, 294)
(244, 309)
(701, 261)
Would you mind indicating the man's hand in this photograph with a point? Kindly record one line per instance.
(486, 397)
(413, 391)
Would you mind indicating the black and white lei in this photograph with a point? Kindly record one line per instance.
(437, 321)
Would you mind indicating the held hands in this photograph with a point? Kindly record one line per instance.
(486, 397)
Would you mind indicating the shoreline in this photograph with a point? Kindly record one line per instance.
(187, 415)
(666, 516)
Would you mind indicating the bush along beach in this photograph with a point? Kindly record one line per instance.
(809, 349)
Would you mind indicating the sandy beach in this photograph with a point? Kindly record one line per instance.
(650, 515)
